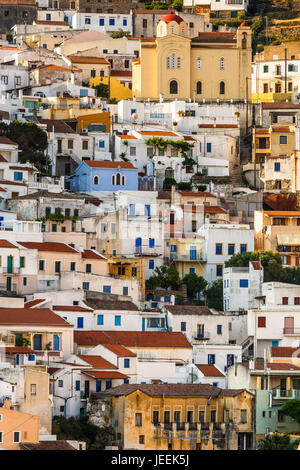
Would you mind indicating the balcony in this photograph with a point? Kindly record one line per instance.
(188, 258)
(291, 331)
(148, 251)
(13, 270)
(278, 394)
(201, 336)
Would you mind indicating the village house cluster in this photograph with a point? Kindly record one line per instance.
(133, 167)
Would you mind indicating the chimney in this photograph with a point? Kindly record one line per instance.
(7, 403)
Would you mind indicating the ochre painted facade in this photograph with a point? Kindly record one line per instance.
(211, 66)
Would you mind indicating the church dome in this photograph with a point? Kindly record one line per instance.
(172, 17)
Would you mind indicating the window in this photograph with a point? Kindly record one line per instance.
(57, 266)
(222, 88)
(60, 383)
(4, 79)
(168, 62)
(208, 147)
(100, 320)
(53, 227)
(283, 140)
(77, 385)
(222, 64)
(296, 300)
(18, 80)
(18, 176)
(93, 73)
(117, 320)
(219, 248)
(87, 20)
(24, 281)
(230, 360)
(151, 264)
(243, 248)
(124, 22)
(183, 326)
(244, 416)
(285, 300)
(88, 268)
(138, 419)
(192, 271)
(101, 23)
(219, 270)
(142, 439)
(133, 272)
(79, 322)
(1, 436)
(199, 63)
(173, 87)
(213, 416)
(126, 363)
(219, 329)
(211, 359)
(22, 261)
(85, 145)
(261, 322)
(276, 166)
(266, 68)
(107, 289)
(199, 88)
(111, 22)
(155, 417)
(125, 290)
(72, 266)
(201, 416)
(32, 389)
(177, 416)
(243, 282)
(85, 285)
(230, 248)
(42, 265)
(178, 62)
(17, 436)
(144, 23)
(132, 151)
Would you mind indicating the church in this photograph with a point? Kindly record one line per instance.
(211, 66)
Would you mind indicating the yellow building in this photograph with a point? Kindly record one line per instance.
(176, 67)
(87, 118)
(186, 254)
(17, 427)
(90, 66)
(176, 416)
(117, 90)
(129, 268)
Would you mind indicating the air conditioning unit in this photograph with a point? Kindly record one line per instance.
(84, 131)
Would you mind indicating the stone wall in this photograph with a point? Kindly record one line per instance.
(16, 14)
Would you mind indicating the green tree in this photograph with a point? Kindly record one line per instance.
(101, 90)
(178, 5)
(119, 34)
(214, 295)
(292, 408)
(194, 284)
(277, 442)
(169, 182)
(32, 141)
(271, 262)
(157, 143)
(164, 277)
(184, 186)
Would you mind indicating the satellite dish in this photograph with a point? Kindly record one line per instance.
(134, 116)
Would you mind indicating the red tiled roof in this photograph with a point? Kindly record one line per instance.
(6, 244)
(18, 350)
(214, 210)
(23, 168)
(49, 246)
(2, 159)
(138, 339)
(280, 351)
(47, 445)
(54, 23)
(172, 17)
(90, 254)
(126, 137)
(31, 316)
(52, 370)
(121, 73)
(3, 190)
(71, 308)
(106, 164)
(282, 213)
(273, 366)
(87, 60)
(282, 129)
(218, 126)
(256, 265)
(97, 362)
(159, 133)
(189, 309)
(32, 303)
(12, 183)
(198, 194)
(119, 350)
(106, 374)
(209, 370)
(156, 381)
(99, 304)
(6, 140)
(189, 137)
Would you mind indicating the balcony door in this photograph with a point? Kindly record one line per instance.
(9, 264)
(37, 342)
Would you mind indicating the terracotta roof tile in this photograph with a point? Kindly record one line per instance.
(209, 370)
(273, 366)
(106, 164)
(99, 304)
(127, 137)
(119, 350)
(97, 362)
(59, 126)
(71, 308)
(31, 316)
(106, 374)
(189, 310)
(33, 303)
(91, 254)
(87, 60)
(47, 445)
(18, 350)
(49, 246)
(6, 141)
(159, 133)
(280, 351)
(139, 339)
(198, 194)
(214, 210)
(6, 244)
(2, 159)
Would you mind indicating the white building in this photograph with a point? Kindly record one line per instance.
(103, 22)
(276, 322)
(218, 7)
(241, 286)
(220, 243)
(12, 77)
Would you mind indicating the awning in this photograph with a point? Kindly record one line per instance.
(288, 239)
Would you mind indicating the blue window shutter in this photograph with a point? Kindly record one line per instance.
(79, 322)
(99, 319)
(151, 242)
(126, 363)
(101, 144)
(117, 320)
(208, 147)
(192, 271)
(151, 264)
(276, 166)
(107, 289)
(243, 282)
(77, 385)
(55, 343)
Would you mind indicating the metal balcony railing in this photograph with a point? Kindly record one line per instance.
(285, 394)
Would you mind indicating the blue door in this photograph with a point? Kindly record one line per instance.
(193, 253)
(143, 324)
(79, 322)
(98, 385)
(55, 343)
(37, 342)
(138, 245)
(17, 359)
